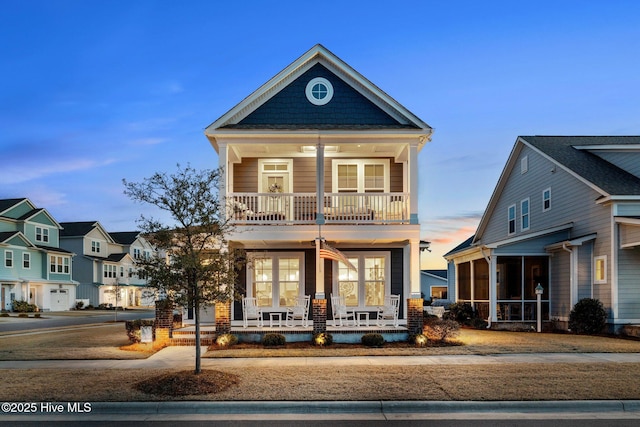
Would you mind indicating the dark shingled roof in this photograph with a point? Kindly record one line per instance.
(440, 273)
(462, 246)
(5, 235)
(601, 173)
(74, 229)
(125, 237)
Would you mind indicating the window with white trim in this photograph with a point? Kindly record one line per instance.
(276, 279)
(26, 260)
(8, 259)
(95, 247)
(524, 214)
(600, 269)
(511, 214)
(367, 285)
(546, 200)
(109, 271)
(59, 264)
(524, 165)
(42, 234)
(360, 176)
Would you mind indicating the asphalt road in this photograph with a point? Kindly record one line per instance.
(62, 319)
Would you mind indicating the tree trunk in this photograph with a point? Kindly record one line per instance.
(196, 307)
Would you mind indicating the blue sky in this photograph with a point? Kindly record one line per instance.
(92, 92)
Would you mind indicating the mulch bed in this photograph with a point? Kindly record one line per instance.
(185, 383)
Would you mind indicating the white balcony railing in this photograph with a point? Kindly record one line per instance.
(301, 208)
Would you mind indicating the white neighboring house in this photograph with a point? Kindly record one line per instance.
(106, 264)
(34, 268)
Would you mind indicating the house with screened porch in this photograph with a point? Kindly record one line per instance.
(321, 178)
(564, 216)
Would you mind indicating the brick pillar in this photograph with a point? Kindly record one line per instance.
(164, 320)
(319, 316)
(415, 315)
(223, 317)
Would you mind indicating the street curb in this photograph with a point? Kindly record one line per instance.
(360, 407)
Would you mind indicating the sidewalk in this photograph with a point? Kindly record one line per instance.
(184, 357)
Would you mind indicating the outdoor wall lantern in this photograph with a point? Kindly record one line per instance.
(539, 292)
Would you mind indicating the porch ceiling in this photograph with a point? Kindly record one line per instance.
(274, 149)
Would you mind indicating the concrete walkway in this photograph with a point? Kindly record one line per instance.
(181, 357)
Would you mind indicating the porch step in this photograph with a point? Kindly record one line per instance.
(187, 337)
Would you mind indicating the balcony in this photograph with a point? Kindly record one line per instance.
(301, 208)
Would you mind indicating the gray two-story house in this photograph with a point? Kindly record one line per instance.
(564, 215)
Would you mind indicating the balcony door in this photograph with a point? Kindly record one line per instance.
(275, 182)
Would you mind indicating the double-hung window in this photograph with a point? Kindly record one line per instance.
(546, 200)
(360, 176)
(42, 235)
(524, 214)
(95, 246)
(276, 279)
(511, 214)
(26, 260)
(59, 264)
(8, 259)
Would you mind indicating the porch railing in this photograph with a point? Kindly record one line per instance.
(301, 208)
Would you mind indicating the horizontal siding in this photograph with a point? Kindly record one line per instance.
(629, 283)
(629, 234)
(585, 276)
(245, 175)
(559, 291)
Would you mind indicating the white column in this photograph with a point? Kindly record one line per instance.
(414, 267)
(320, 183)
(493, 288)
(413, 183)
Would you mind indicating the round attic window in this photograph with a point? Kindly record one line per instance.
(319, 91)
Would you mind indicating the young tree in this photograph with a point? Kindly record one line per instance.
(195, 268)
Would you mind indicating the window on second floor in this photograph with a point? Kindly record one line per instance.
(59, 264)
(546, 200)
(524, 214)
(361, 176)
(512, 219)
(95, 247)
(42, 234)
(136, 253)
(8, 259)
(26, 261)
(109, 271)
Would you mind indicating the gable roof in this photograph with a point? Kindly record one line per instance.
(461, 247)
(125, 237)
(440, 274)
(571, 154)
(6, 204)
(82, 228)
(376, 109)
(6, 236)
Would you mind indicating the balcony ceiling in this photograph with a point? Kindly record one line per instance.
(300, 150)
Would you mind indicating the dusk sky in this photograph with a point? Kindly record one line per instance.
(92, 92)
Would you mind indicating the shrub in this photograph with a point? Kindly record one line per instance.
(23, 307)
(440, 329)
(133, 328)
(322, 339)
(273, 340)
(4, 314)
(478, 323)
(90, 307)
(372, 340)
(37, 315)
(103, 306)
(23, 315)
(587, 317)
(79, 305)
(461, 312)
(226, 340)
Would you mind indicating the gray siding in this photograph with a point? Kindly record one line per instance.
(90, 292)
(629, 283)
(585, 276)
(559, 291)
(629, 234)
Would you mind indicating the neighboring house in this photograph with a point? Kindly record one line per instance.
(34, 267)
(105, 266)
(564, 215)
(434, 284)
(319, 150)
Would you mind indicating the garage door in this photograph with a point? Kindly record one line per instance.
(59, 300)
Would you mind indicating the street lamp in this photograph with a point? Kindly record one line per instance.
(539, 292)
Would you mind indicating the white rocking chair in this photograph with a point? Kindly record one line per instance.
(389, 311)
(251, 311)
(341, 312)
(300, 311)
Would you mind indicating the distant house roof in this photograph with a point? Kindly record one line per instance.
(8, 203)
(462, 246)
(573, 153)
(74, 229)
(439, 273)
(125, 237)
